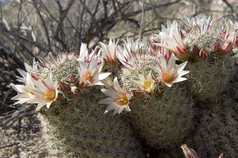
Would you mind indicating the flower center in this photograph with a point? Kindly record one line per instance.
(147, 84)
(88, 76)
(26, 91)
(49, 95)
(168, 77)
(123, 100)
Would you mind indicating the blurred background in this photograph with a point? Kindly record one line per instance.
(31, 28)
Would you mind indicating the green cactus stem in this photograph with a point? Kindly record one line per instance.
(216, 129)
(77, 127)
(208, 79)
(163, 119)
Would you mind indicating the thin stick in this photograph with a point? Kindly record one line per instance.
(142, 20)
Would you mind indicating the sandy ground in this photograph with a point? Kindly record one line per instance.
(21, 136)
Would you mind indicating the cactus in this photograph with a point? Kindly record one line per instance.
(216, 130)
(208, 79)
(163, 120)
(73, 123)
(77, 127)
(160, 115)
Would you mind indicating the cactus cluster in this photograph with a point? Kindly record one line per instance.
(142, 77)
(77, 128)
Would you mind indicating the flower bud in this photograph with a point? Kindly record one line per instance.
(188, 152)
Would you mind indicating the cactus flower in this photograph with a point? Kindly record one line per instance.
(230, 38)
(172, 39)
(118, 99)
(90, 73)
(221, 156)
(128, 52)
(84, 55)
(202, 37)
(109, 52)
(33, 69)
(188, 152)
(146, 83)
(169, 72)
(158, 50)
(41, 92)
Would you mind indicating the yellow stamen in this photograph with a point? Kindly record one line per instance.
(168, 77)
(147, 84)
(49, 95)
(88, 76)
(26, 91)
(123, 99)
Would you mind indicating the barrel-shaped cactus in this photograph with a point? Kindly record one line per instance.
(216, 130)
(163, 120)
(208, 79)
(77, 127)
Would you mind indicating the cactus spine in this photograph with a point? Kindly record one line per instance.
(163, 121)
(216, 129)
(77, 127)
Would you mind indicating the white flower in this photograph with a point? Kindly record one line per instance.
(84, 55)
(221, 156)
(23, 73)
(199, 26)
(146, 83)
(190, 153)
(169, 72)
(129, 51)
(41, 92)
(32, 69)
(118, 99)
(109, 51)
(172, 39)
(230, 37)
(24, 94)
(90, 73)
(231, 32)
(202, 36)
(157, 50)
